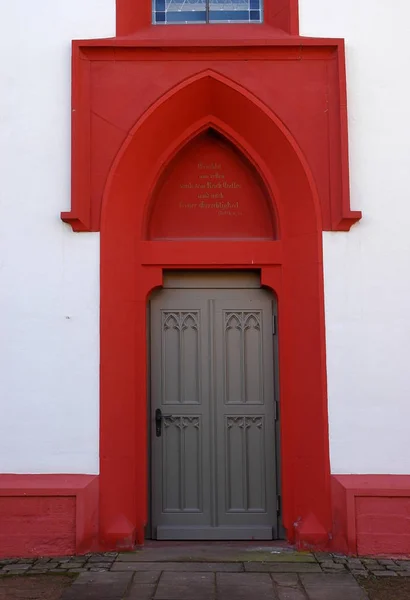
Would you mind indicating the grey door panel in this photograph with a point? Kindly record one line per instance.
(180, 388)
(213, 466)
(244, 409)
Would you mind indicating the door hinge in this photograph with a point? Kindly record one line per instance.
(274, 324)
(279, 504)
(276, 410)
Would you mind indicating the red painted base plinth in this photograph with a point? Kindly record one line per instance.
(48, 515)
(57, 515)
(371, 514)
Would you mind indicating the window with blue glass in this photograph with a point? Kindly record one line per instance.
(207, 11)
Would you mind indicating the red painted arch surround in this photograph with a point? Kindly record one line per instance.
(131, 267)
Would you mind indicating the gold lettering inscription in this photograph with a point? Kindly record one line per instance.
(206, 196)
(211, 176)
(192, 186)
(187, 205)
(208, 205)
(233, 185)
(213, 166)
(211, 185)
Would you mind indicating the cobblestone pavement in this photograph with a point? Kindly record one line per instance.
(205, 571)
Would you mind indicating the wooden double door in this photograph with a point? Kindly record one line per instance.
(212, 417)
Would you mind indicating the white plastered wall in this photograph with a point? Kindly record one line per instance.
(49, 287)
(367, 271)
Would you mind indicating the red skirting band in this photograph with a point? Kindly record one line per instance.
(48, 515)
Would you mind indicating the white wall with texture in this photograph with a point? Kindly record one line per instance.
(367, 271)
(49, 276)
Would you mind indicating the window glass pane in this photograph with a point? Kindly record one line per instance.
(180, 11)
(235, 10)
(207, 11)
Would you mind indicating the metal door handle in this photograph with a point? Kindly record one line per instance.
(159, 417)
(158, 422)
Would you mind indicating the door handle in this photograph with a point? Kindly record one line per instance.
(159, 417)
(158, 422)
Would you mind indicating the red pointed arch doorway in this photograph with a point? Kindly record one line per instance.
(284, 243)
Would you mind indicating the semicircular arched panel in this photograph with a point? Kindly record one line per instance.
(210, 191)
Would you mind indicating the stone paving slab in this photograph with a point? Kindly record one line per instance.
(289, 593)
(186, 586)
(288, 586)
(141, 591)
(244, 586)
(109, 579)
(99, 586)
(178, 566)
(227, 579)
(146, 577)
(332, 587)
(282, 567)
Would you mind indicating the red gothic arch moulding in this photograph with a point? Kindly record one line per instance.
(128, 124)
(131, 268)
